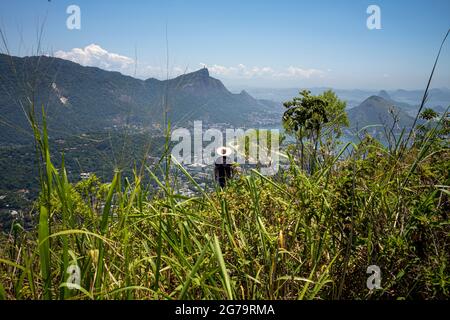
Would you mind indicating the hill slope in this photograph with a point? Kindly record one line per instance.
(81, 99)
(377, 110)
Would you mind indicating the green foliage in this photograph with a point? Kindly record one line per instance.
(335, 111)
(316, 122)
(428, 114)
(305, 115)
(302, 234)
(293, 236)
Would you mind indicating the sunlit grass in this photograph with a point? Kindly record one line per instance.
(292, 236)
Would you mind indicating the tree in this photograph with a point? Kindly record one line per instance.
(428, 114)
(313, 119)
(337, 115)
(304, 117)
(433, 120)
(335, 110)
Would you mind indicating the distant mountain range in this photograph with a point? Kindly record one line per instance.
(80, 99)
(379, 110)
(438, 98)
(366, 108)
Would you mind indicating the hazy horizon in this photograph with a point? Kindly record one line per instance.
(236, 88)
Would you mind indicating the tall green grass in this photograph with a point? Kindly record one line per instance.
(292, 236)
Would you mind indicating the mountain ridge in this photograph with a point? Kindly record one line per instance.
(376, 110)
(80, 99)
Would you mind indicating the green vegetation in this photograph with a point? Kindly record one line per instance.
(318, 120)
(293, 236)
(93, 153)
(310, 232)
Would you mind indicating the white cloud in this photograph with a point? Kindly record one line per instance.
(95, 56)
(241, 71)
(300, 73)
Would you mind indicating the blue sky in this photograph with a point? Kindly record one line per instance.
(254, 43)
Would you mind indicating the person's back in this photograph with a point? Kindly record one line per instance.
(223, 167)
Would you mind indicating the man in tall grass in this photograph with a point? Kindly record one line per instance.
(223, 166)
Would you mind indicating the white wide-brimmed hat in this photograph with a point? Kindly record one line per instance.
(223, 151)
